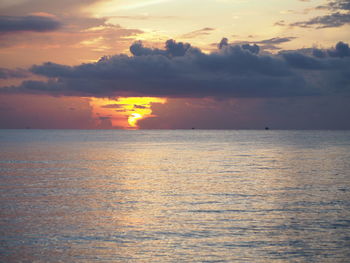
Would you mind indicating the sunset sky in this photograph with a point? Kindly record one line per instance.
(175, 64)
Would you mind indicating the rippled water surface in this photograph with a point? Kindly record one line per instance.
(174, 196)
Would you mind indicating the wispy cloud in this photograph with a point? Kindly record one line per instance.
(339, 15)
(332, 20)
(201, 32)
(266, 44)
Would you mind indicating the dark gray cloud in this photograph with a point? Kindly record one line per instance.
(333, 20)
(275, 40)
(336, 5)
(223, 43)
(341, 50)
(28, 23)
(254, 48)
(301, 61)
(180, 70)
(54, 7)
(13, 73)
(201, 32)
(172, 49)
(266, 44)
(339, 15)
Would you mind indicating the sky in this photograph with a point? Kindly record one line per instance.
(175, 64)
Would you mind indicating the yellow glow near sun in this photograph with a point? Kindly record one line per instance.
(123, 112)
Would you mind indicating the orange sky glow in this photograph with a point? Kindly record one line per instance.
(231, 64)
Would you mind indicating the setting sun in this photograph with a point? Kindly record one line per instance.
(123, 113)
(133, 119)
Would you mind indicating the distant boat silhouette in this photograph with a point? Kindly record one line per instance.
(267, 128)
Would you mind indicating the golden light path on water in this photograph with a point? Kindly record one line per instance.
(174, 196)
(123, 112)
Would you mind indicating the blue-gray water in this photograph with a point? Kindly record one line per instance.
(174, 196)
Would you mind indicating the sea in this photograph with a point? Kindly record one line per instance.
(174, 196)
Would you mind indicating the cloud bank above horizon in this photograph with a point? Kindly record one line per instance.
(181, 70)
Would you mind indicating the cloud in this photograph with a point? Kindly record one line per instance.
(339, 16)
(53, 7)
(254, 48)
(28, 23)
(13, 73)
(172, 49)
(276, 40)
(223, 43)
(336, 5)
(329, 68)
(72, 45)
(341, 50)
(266, 44)
(180, 70)
(333, 20)
(201, 32)
(280, 23)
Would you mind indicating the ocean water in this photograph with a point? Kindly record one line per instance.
(174, 196)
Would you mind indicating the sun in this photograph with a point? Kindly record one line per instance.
(133, 118)
(123, 112)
